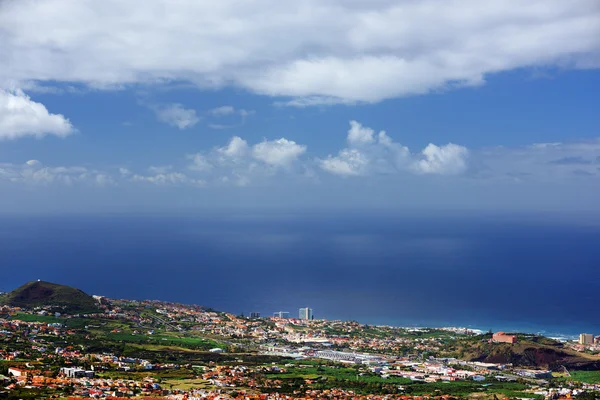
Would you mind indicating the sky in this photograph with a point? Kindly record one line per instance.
(161, 105)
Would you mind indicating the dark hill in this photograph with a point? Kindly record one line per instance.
(38, 293)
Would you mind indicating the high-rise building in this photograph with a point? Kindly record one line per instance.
(306, 313)
(586, 338)
(281, 314)
(254, 315)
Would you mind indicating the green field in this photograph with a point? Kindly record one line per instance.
(193, 343)
(48, 319)
(182, 373)
(463, 388)
(343, 374)
(327, 377)
(586, 376)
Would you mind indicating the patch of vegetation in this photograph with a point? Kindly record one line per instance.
(160, 375)
(26, 394)
(48, 319)
(193, 343)
(335, 373)
(586, 376)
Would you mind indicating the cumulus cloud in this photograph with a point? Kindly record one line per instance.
(240, 163)
(237, 148)
(450, 159)
(177, 116)
(280, 152)
(313, 51)
(20, 116)
(348, 162)
(358, 134)
(367, 153)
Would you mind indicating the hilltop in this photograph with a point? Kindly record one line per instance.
(39, 293)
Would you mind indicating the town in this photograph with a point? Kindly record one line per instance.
(126, 348)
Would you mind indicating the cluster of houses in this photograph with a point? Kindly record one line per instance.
(336, 341)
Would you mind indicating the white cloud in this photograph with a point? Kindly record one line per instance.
(313, 51)
(359, 134)
(347, 162)
(20, 116)
(236, 148)
(367, 153)
(280, 152)
(450, 159)
(176, 115)
(240, 164)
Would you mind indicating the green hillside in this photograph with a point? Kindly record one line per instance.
(39, 293)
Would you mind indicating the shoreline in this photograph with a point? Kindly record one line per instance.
(550, 332)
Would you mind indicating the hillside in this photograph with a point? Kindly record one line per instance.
(530, 352)
(39, 293)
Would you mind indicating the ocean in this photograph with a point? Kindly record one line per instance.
(512, 272)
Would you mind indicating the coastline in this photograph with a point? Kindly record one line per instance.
(562, 333)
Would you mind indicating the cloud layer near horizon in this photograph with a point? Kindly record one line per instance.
(312, 51)
(368, 155)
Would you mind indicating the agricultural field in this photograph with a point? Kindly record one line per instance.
(585, 376)
(48, 319)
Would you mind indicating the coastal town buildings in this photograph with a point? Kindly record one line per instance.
(586, 339)
(306, 313)
(281, 314)
(388, 358)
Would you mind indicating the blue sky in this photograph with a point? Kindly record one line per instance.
(112, 106)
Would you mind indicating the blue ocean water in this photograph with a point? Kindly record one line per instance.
(502, 272)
